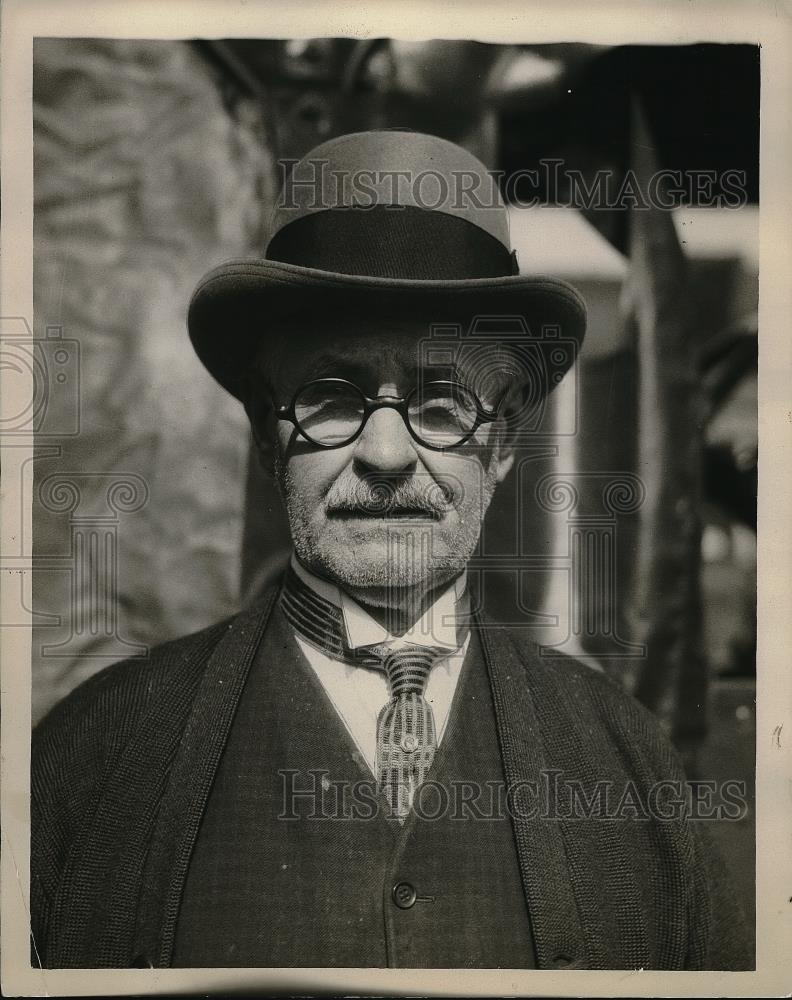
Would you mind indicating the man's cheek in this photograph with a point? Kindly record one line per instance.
(308, 477)
(466, 483)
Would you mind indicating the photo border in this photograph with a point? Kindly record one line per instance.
(679, 22)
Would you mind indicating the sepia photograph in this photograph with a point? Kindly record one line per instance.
(388, 424)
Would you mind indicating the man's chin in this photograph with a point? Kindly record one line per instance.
(393, 554)
(382, 534)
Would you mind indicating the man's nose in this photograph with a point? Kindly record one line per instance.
(385, 443)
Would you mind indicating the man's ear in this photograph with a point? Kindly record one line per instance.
(504, 460)
(507, 431)
(262, 426)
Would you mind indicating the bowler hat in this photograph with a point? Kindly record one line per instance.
(380, 223)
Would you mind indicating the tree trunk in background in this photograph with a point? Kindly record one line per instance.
(670, 429)
(143, 181)
(606, 460)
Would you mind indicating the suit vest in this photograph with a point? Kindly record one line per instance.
(297, 864)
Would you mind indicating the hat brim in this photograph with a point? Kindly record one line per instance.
(238, 306)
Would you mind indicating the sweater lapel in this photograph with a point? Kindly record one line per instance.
(544, 866)
(190, 781)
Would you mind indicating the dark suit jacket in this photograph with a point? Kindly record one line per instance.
(122, 770)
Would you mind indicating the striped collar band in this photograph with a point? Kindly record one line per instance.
(444, 625)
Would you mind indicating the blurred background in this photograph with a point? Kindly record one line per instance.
(628, 535)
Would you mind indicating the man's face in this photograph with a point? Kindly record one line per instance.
(383, 513)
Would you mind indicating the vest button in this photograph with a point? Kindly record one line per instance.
(404, 895)
(563, 961)
(409, 743)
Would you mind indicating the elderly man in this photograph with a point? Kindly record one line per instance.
(361, 769)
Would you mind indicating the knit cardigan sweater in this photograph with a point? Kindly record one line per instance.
(122, 769)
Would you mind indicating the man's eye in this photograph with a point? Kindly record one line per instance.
(337, 406)
(448, 412)
(438, 411)
(334, 410)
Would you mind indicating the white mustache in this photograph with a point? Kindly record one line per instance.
(382, 496)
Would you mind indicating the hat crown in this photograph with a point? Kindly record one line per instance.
(383, 246)
(392, 204)
(387, 168)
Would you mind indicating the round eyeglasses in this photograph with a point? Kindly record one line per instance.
(331, 412)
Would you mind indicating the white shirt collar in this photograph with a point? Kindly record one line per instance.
(436, 627)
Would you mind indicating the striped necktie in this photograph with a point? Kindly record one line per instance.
(406, 734)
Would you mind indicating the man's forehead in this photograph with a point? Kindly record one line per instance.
(354, 335)
(376, 346)
(373, 350)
